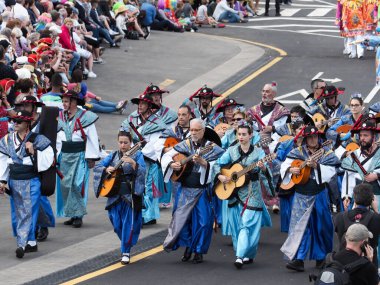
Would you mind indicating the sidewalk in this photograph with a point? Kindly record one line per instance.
(188, 60)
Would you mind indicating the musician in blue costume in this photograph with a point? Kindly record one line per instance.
(368, 155)
(311, 226)
(80, 150)
(150, 127)
(180, 132)
(46, 217)
(375, 108)
(247, 213)
(192, 221)
(204, 108)
(225, 111)
(282, 149)
(331, 107)
(20, 162)
(124, 208)
(356, 105)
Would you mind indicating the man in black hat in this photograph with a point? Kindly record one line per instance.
(80, 150)
(23, 154)
(363, 164)
(150, 127)
(311, 206)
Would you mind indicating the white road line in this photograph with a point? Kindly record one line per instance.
(288, 12)
(320, 12)
(372, 94)
(319, 31)
(305, 19)
(288, 26)
(325, 2)
(290, 101)
(310, 5)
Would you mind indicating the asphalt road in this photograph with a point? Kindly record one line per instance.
(217, 268)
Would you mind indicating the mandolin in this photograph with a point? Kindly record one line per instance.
(110, 184)
(319, 118)
(237, 175)
(304, 175)
(185, 161)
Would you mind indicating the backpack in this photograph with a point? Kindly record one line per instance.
(132, 35)
(335, 273)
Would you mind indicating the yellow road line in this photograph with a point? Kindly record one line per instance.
(165, 83)
(113, 267)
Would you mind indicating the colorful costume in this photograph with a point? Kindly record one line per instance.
(247, 212)
(81, 143)
(124, 209)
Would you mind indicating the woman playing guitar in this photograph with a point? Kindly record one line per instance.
(247, 211)
(124, 208)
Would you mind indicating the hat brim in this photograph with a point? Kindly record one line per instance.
(212, 136)
(136, 101)
(222, 108)
(36, 103)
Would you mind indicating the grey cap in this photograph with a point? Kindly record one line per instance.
(358, 232)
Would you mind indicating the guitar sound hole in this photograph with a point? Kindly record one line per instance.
(234, 177)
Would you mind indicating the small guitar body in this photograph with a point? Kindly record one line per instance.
(285, 138)
(170, 142)
(304, 175)
(319, 118)
(343, 129)
(111, 184)
(177, 174)
(225, 190)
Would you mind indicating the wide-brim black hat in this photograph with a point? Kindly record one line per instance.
(74, 95)
(205, 92)
(330, 91)
(310, 131)
(154, 89)
(367, 125)
(212, 136)
(22, 116)
(30, 99)
(145, 98)
(225, 103)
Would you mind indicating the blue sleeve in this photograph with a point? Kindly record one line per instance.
(140, 177)
(105, 162)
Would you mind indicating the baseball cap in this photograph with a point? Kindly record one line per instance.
(358, 232)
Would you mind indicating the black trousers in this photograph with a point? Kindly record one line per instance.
(277, 5)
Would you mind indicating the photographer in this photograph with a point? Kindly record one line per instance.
(361, 213)
(357, 245)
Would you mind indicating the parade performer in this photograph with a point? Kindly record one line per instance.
(247, 212)
(192, 221)
(310, 102)
(177, 133)
(311, 227)
(150, 127)
(167, 115)
(373, 41)
(23, 154)
(350, 19)
(227, 108)
(204, 108)
(269, 114)
(80, 150)
(124, 208)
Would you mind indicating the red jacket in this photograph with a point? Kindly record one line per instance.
(65, 39)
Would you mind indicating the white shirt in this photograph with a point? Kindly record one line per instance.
(222, 7)
(202, 13)
(20, 12)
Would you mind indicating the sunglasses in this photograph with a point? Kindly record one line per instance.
(237, 120)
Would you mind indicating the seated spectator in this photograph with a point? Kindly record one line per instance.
(361, 213)
(224, 13)
(21, 44)
(124, 18)
(67, 42)
(357, 236)
(202, 16)
(94, 103)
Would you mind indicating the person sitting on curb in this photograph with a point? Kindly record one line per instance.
(224, 13)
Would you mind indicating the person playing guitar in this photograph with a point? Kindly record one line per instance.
(311, 205)
(124, 208)
(247, 211)
(192, 221)
(363, 164)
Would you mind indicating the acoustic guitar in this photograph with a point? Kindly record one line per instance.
(237, 175)
(305, 170)
(185, 161)
(319, 118)
(110, 184)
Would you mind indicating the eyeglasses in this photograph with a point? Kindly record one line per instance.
(195, 130)
(237, 119)
(355, 105)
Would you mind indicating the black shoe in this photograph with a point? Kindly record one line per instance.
(114, 46)
(29, 248)
(146, 35)
(19, 252)
(278, 14)
(77, 223)
(266, 14)
(69, 222)
(198, 258)
(152, 222)
(238, 263)
(296, 265)
(42, 234)
(186, 255)
(320, 263)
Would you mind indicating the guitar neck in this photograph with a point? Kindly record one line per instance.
(253, 165)
(130, 152)
(202, 151)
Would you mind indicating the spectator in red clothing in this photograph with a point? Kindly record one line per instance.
(67, 42)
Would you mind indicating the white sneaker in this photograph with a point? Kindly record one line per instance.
(113, 33)
(85, 71)
(91, 75)
(275, 209)
(346, 51)
(125, 259)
